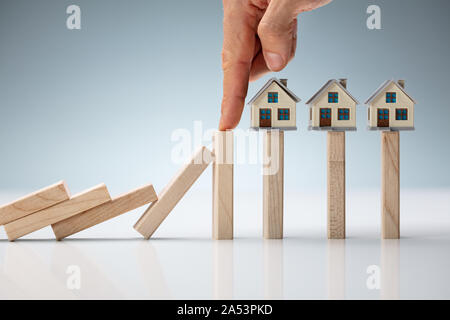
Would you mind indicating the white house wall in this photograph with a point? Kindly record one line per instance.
(284, 101)
(344, 101)
(402, 102)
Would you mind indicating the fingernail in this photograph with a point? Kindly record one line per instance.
(274, 61)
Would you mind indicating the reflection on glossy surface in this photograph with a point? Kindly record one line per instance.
(390, 269)
(94, 283)
(151, 271)
(273, 269)
(336, 269)
(222, 269)
(165, 268)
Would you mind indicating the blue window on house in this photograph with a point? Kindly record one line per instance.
(332, 97)
(383, 114)
(344, 114)
(283, 114)
(401, 114)
(325, 113)
(264, 114)
(272, 97)
(391, 97)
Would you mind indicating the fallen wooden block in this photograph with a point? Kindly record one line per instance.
(273, 184)
(336, 185)
(117, 206)
(390, 185)
(173, 192)
(223, 185)
(34, 202)
(78, 203)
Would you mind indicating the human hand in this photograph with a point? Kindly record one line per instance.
(259, 36)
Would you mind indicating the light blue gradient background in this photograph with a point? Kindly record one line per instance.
(100, 104)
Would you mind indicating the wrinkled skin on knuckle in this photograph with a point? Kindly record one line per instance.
(272, 29)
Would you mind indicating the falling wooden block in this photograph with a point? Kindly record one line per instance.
(77, 204)
(273, 181)
(223, 185)
(390, 185)
(117, 206)
(173, 192)
(34, 202)
(336, 185)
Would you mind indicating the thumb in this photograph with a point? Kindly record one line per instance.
(277, 31)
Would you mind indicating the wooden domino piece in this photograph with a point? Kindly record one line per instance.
(390, 185)
(77, 204)
(273, 184)
(34, 202)
(173, 192)
(336, 185)
(117, 206)
(223, 185)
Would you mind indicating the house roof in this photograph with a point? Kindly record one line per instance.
(325, 87)
(268, 83)
(383, 86)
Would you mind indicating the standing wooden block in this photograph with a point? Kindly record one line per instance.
(273, 181)
(34, 202)
(77, 204)
(119, 205)
(390, 185)
(173, 192)
(223, 185)
(336, 185)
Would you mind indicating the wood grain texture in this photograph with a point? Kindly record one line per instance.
(336, 185)
(78, 203)
(34, 202)
(173, 192)
(390, 185)
(273, 184)
(117, 206)
(222, 168)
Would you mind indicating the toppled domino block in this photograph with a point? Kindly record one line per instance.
(173, 192)
(77, 204)
(117, 206)
(34, 202)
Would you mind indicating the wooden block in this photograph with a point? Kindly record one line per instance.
(336, 185)
(119, 205)
(34, 202)
(390, 185)
(273, 183)
(223, 185)
(77, 204)
(173, 192)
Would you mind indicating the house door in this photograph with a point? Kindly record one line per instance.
(325, 117)
(383, 118)
(265, 118)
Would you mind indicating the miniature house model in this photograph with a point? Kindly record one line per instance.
(390, 107)
(274, 106)
(332, 107)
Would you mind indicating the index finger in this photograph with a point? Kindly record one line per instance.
(237, 54)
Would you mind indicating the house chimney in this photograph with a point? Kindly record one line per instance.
(284, 82)
(401, 83)
(343, 83)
